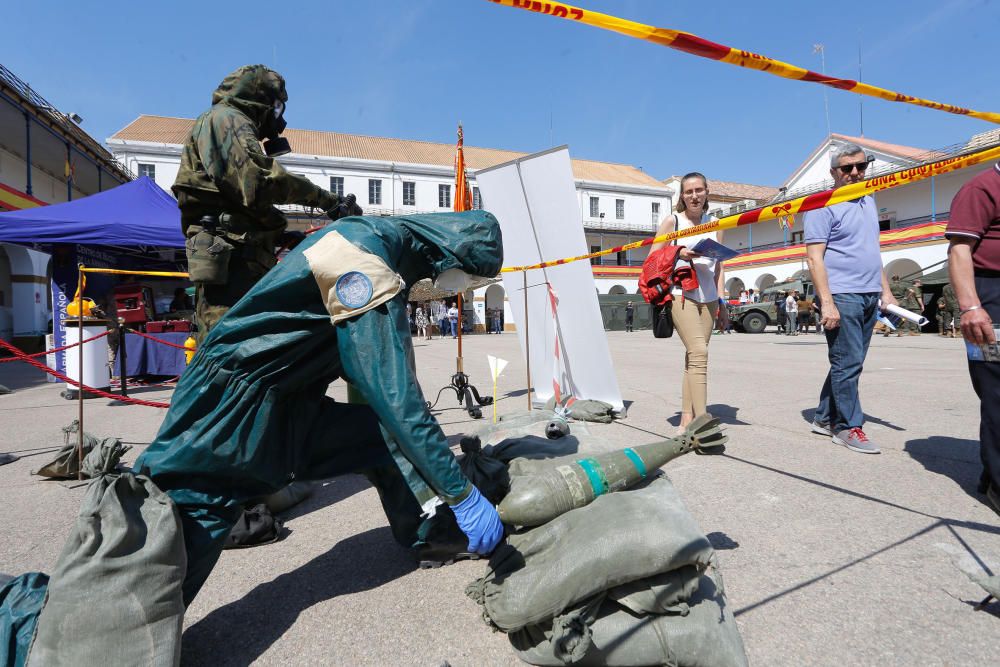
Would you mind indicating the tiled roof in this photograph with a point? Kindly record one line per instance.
(741, 190)
(735, 191)
(908, 152)
(166, 130)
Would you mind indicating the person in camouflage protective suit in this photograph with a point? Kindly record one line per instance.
(228, 186)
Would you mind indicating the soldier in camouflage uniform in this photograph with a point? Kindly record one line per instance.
(228, 186)
(913, 301)
(898, 289)
(949, 313)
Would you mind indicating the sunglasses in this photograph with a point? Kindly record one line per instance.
(848, 168)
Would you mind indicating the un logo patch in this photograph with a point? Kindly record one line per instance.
(354, 289)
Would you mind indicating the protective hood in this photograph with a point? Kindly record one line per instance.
(252, 89)
(424, 246)
(436, 242)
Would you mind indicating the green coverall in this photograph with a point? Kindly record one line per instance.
(251, 413)
(224, 172)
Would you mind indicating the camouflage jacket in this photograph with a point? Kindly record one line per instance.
(224, 169)
(951, 300)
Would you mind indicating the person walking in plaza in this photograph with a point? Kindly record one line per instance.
(423, 324)
(974, 269)
(792, 314)
(845, 262)
(453, 319)
(441, 318)
(779, 309)
(629, 316)
(694, 311)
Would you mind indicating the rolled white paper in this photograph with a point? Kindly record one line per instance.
(919, 320)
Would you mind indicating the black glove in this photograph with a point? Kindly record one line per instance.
(347, 206)
(291, 238)
(352, 205)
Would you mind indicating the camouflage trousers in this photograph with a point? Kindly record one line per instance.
(214, 301)
(906, 326)
(945, 319)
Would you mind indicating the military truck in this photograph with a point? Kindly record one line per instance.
(756, 317)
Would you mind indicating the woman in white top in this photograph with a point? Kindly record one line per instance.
(694, 311)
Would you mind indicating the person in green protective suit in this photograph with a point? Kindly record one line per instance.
(228, 185)
(251, 413)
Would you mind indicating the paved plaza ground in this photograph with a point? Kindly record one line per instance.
(830, 557)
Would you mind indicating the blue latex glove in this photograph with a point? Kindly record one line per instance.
(479, 520)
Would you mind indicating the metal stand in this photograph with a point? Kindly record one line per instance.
(122, 359)
(466, 393)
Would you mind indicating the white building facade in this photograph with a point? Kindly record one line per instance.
(921, 207)
(619, 204)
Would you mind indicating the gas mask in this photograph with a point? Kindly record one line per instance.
(274, 144)
(454, 280)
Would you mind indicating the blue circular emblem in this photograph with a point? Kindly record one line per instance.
(354, 289)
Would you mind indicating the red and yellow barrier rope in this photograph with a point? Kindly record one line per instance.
(123, 272)
(800, 205)
(698, 46)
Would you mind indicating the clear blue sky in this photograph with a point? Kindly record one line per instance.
(525, 81)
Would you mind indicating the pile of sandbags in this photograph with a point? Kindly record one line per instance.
(100, 455)
(629, 579)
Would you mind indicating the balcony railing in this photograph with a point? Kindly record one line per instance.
(899, 224)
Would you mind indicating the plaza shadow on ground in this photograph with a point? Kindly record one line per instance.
(724, 413)
(954, 458)
(809, 413)
(241, 631)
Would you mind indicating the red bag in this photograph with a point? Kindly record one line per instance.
(660, 274)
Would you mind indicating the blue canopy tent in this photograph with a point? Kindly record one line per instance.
(138, 213)
(135, 225)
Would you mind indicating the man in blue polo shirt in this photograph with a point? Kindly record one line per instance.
(842, 249)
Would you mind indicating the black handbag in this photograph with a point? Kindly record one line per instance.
(663, 320)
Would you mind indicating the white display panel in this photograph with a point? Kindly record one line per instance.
(534, 198)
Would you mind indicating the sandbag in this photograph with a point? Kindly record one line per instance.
(612, 635)
(535, 447)
(618, 538)
(100, 455)
(515, 425)
(587, 409)
(21, 600)
(114, 597)
(664, 593)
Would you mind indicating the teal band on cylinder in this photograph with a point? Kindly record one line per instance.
(595, 474)
(636, 461)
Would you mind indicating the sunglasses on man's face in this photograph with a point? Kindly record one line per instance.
(848, 168)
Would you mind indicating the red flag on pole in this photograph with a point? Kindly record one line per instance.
(462, 202)
(463, 193)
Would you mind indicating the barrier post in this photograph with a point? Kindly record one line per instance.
(79, 389)
(527, 339)
(122, 358)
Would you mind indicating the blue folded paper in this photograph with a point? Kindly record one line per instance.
(714, 249)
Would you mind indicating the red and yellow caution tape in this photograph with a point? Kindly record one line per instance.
(123, 272)
(802, 204)
(698, 46)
